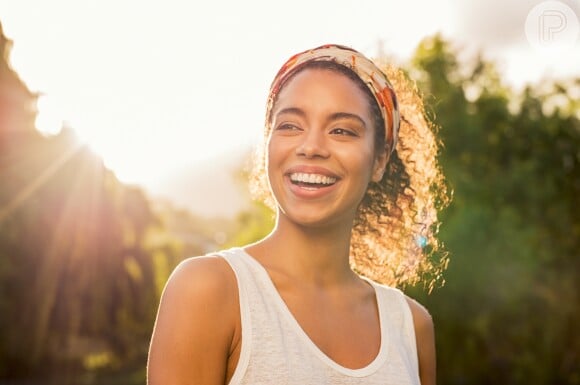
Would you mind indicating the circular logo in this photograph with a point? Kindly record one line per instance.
(552, 26)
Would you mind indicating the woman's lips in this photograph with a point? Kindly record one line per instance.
(311, 182)
(311, 178)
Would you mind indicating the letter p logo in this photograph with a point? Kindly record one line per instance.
(551, 22)
(552, 25)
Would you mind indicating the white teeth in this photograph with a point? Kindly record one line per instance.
(312, 178)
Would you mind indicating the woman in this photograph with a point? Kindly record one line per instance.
(353, 180)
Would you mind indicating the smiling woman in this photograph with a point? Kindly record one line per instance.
(318, 113)
(351, 172)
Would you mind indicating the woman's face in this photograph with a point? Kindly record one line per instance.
(321, 153)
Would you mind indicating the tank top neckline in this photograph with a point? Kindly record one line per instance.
(369, 369)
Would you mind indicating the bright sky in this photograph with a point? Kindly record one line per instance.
(156, 85)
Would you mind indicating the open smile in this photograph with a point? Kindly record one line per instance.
(312, 181)
(309, 185)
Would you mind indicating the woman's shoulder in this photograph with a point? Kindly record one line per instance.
(205, 275)
(197, 322)
(422, 319)
(201, 285)
(425, 340)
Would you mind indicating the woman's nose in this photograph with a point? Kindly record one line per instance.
(313, 145)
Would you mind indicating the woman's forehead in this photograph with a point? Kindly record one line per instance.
(321, 87)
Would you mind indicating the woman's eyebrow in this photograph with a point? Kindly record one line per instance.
(334, 116)
(291, 110)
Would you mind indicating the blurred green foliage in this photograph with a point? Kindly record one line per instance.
(83, 257)
(509, 311)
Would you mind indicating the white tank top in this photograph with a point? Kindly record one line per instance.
(276, 350)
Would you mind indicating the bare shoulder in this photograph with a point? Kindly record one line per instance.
(425, 341)
(201, 290)
(202, 276)
(196, 324)
(421, 317)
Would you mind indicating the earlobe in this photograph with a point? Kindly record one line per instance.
(379, 167)
(378, 175)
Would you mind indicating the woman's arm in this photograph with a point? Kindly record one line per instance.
(425, 337)
(195, 326)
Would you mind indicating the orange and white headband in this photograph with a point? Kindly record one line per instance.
(364, 68)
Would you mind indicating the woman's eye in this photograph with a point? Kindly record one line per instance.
(343, 131)
(288, 127)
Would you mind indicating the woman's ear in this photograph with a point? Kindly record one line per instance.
(379, 166)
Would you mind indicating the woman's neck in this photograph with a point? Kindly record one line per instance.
(318, 256)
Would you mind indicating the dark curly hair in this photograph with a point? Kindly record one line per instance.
(394, 235)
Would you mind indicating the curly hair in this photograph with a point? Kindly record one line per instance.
(394, 239)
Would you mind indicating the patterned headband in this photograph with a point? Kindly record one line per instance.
(365, 69)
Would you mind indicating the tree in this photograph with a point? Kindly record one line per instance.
(506, 312)
(79, 272)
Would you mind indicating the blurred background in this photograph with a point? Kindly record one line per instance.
(126, 129)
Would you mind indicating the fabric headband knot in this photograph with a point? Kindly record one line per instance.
(365, 69)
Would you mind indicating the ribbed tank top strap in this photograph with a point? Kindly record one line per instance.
(264, 343)
(246, 287)
(399, 320)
